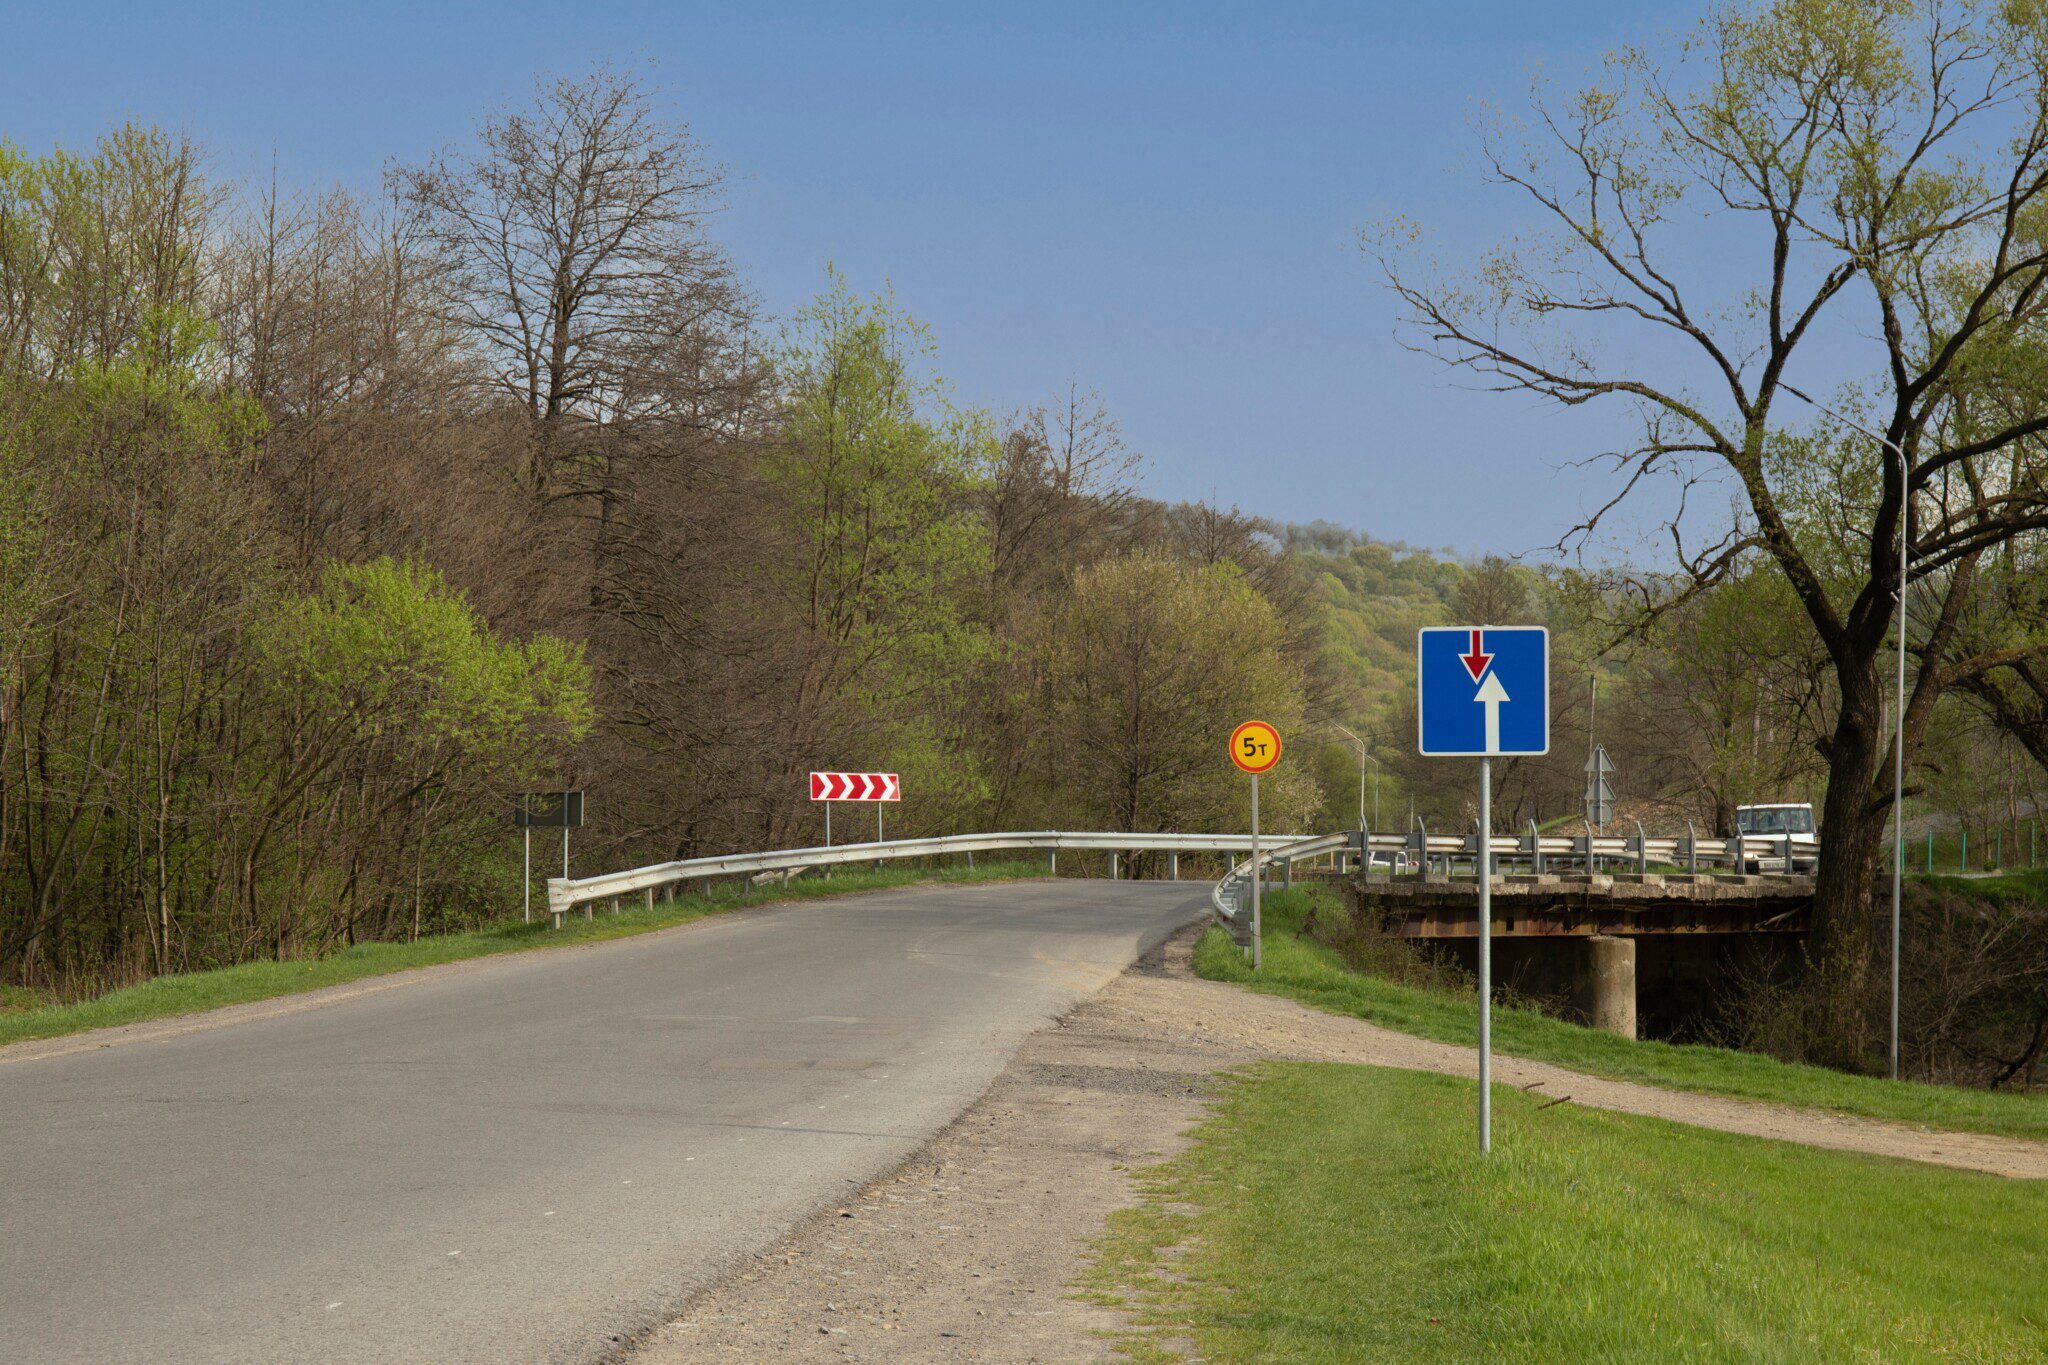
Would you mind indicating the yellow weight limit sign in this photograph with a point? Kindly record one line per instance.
(1255, 747)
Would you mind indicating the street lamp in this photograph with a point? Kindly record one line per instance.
(1899, 747)
(1364, 756)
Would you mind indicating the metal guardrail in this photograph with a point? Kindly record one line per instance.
(565, 893)
(1232, 893)
(1537, 850)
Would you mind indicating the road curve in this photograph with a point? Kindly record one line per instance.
(530, 1160)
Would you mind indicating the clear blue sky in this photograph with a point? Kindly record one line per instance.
(1160, 201)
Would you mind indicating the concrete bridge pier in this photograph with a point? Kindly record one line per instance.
(1604, 984)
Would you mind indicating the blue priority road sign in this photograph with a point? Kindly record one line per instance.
(1484, 691)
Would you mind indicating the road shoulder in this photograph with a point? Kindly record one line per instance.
(969, 1251)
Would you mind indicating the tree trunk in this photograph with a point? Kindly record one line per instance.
(1852, 833)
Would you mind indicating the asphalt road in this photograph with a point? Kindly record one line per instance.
(531, 1158)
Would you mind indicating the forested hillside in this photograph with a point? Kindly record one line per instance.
(327, 524)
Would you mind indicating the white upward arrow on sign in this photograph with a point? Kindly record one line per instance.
(1491, 695)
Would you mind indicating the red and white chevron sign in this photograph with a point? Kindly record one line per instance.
(856, 787)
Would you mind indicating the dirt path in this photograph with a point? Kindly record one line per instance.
(967, 1253)
(1281, 1028)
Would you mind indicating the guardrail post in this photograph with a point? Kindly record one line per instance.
(1052, 861)
(1535, 849)
(1173, 865)
(1692, 849)
(1418, 846)
(1642, 850)
(1112, 864)
(1788, 855)
(970, 860)
(650, 898)
(1286, 872)
(1583, 846)
(1740, 862)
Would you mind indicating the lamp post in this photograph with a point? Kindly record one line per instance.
(1364, 756)
(1899, 746)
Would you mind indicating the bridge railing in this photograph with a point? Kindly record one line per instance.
(1764, 853)
(567, 893)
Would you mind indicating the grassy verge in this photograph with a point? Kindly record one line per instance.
(1316, 975)
(1333, 1213)
(190, 992)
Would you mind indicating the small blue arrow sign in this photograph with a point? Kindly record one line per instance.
(1483, 691)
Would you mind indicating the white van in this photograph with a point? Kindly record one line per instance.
(1768, 825)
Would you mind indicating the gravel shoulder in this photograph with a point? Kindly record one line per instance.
(968, 1251)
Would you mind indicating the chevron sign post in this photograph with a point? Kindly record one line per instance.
(876, 787)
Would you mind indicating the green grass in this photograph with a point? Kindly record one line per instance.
(1341, 1213)
(1307, 971)
(190, 992)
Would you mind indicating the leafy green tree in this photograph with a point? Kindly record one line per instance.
(391, 694)
(1142, 671)
(875, 474)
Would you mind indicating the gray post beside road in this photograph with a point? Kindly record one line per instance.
(1485, 952)
(1257, 875)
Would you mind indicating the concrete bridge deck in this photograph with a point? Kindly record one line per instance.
(1550, 905)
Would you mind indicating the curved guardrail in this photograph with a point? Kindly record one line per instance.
(1231, 893)
(566, 893)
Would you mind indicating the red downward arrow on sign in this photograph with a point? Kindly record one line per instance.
(1476, 661)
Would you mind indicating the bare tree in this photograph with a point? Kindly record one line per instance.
(575, 252)
(1886, 164)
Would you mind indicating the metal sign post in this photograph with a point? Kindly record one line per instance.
(1255, 748)
(1485, 955)
(1483, 692)
(1258, 876)
(545, 810)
